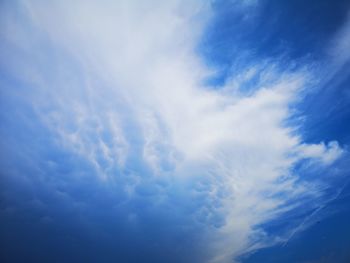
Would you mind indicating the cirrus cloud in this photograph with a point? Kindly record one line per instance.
(120, 85)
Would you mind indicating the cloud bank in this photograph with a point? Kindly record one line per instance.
(120, 85)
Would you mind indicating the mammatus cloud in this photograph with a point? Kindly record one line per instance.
(123, 88)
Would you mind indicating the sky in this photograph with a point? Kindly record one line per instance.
(175, 131)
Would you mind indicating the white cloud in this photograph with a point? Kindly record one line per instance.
(326, 153)
(340, 45)
(140, 84)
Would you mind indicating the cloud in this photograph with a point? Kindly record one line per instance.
(326, 153)
(120, 85)
(339, 48)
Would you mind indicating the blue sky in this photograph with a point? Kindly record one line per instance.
(176, 131)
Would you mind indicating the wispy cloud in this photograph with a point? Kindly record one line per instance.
(339, 49)
(119, 83)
